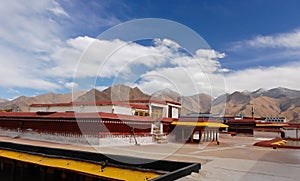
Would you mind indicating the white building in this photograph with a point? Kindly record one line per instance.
(160, 109)
(153, 108)
(292, 131)
(108, 107)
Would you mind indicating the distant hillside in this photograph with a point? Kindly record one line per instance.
(115, 93)
(273, 102)
(190, 104)
(3, 100)
(22, 103)
(196, 103)
(91, 96)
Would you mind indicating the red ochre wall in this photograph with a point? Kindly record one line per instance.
(73, 126)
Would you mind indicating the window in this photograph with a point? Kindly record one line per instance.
(157, 112)
(141, 113)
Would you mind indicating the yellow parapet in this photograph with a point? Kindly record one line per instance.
(200, 124)
(107, 172)
(271, 124)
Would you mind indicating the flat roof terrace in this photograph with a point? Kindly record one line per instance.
(234, 159)
(29, 161)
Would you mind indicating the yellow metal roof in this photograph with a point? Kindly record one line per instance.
(108, 172)
(200, 124)
(271, 124)
(282, 142)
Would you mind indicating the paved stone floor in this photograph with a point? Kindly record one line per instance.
(234, 159)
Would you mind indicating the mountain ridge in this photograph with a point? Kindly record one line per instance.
(3, 100)
(276, 102)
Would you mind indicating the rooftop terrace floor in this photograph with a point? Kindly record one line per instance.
(234, 159)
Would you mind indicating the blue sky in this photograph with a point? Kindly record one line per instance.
(255, 44)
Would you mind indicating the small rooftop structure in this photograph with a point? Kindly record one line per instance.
(256, 126)
(197, 128)
(275, 119)
(292, 130)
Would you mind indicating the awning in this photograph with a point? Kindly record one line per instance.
(109, 172)
(271, 124)
(200, 124)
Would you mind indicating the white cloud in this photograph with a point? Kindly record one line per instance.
(166, 42)
(191, 75)
(11, 90)
(58, 10)
(157, 67)
(71, 85)
(281, 49)
(16, 73)
(105, 58)
(34, 54)
(267, 77)
(207, 59)
(27, 38)
(101, 88)
(226, 70)
(27, 26)
(281, 40)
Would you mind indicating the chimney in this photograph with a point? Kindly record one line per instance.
(252, 112)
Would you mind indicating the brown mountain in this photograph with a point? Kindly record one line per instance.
(196, 104)
(22, 103)
(92, 96)
(190, 104)
(273, 102)
(124, 93)
(3, 100)
(166, 94)
(277, 102)
(114, 93)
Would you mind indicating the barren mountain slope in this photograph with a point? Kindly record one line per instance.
(22, 103)
(273, 102)
(115, 93)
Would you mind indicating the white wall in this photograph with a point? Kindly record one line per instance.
(265, 134)
(85, 108)
(105, 108)
(37, 109)
(60, 108)
(109, 109)
(175, 112)
(122, 110)
(292, 133)
(51, 109)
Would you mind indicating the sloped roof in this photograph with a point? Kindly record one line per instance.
(100, 103)
(271, 124)
(73, 115)
(245, 120)
(155, 101)
(200, 124)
